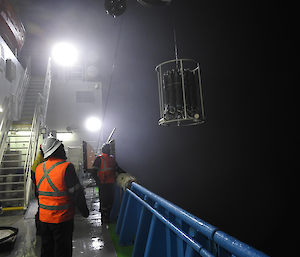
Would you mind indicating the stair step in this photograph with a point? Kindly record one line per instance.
(28, 105)
(12, 183)
(34, 92)
(30, 101)
(35, 80)
(11, 168)
(18, 135)
(17, 148)
(12, 191)
(28, 108)
(11, 154)
(12, 161)
(16, 142)
(12, 175)
(36, 84)
(13, 199)
(35, 88)
(27, 114)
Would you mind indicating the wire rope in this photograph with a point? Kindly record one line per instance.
(110, 83)
(174, 33)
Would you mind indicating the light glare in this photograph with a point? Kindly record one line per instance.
(64, 136)
(93, 124)
(64, 54)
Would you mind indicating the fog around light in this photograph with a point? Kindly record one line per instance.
(64, 53)
(93, 124)
(64, 136)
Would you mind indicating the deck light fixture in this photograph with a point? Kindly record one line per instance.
(64, 53)
(93, 124)
(64, 136)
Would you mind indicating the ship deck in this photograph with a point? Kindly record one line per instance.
(91, 237)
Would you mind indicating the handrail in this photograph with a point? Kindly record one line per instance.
(15, 102)
(160, 228)
(39, 118)
(46, 92)
(5, 125)
(19, 96)
(32, 149)
(12, 107)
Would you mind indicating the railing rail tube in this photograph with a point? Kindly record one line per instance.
(161, 228)
(204, 227)
(196, 246)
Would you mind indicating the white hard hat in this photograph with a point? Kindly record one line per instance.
(49, 145)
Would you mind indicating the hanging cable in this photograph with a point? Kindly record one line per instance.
(109, 87)
(174, 33)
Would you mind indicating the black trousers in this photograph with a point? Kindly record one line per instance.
(57, 239)
(106, 195)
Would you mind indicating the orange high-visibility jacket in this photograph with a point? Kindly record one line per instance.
(55, 202)
(106, 173)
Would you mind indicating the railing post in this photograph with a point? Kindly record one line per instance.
(116, 205)
(142, 230)
(169, 238)
(156, 243)
(129, 224)
(178, 239)
(122, 212)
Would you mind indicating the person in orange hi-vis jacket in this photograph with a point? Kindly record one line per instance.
(59, 191)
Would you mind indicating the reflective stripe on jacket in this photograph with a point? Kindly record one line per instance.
(106, 173)
(55, 202)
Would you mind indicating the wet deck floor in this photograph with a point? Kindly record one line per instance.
(90, 238)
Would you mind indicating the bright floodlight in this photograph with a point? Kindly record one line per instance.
(93, 124)
(64, 54)
(65, 136)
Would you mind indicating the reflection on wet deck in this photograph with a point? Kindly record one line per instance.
(90, 238)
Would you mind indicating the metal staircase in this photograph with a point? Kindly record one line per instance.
(12, 178)
(35, 87)
(21, 144)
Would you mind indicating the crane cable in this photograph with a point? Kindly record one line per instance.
(174, 34)
(111, 77)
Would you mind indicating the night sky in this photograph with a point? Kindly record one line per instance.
(224, 171)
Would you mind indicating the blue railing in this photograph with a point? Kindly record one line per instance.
(157, 227)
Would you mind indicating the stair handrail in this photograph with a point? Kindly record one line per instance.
(5, 125)
(12, 107)
(19, 96)
(39, 119)
(32, 150)
(46, 92)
